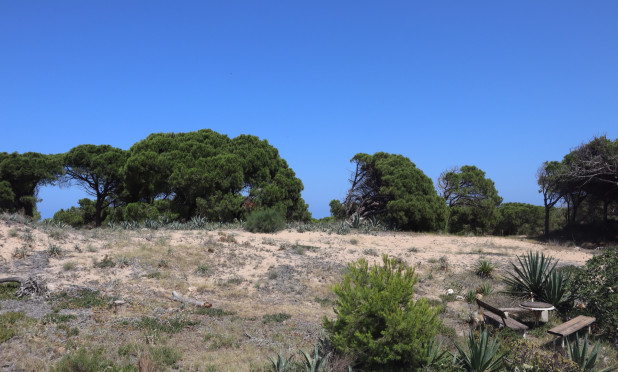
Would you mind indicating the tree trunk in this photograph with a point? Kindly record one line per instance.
(97, 211)
(547, 209)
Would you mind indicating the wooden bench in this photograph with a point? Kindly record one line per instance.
(568, 328)
(501, 317)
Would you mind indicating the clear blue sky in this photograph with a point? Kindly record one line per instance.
(496, 84)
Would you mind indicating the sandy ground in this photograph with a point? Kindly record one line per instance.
(245, 273)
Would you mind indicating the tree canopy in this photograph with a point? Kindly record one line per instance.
(587, 176)
(391, 188)
(472, 198)
(209, 174)
(98, 170)
(20, 177)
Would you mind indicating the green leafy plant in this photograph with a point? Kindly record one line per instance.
(596, 285)
(377, 317)
(480, 354)
(578, 352)
(484, 268)
(280, 364)
(265, 221)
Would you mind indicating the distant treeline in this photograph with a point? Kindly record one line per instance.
(175, 176)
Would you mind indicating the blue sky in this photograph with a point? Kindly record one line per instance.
(500, 85)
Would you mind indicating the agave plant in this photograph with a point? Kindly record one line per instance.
(556, 289)
(480, 355)
(280, 364)
(316, 363)
(578, 352)
(530, 276)
(435, 355)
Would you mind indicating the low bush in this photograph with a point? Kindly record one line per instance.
(378, 319)
(265, 221)
(597, 287)
(84, 360)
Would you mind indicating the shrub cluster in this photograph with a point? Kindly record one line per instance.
(265, 221)
(596, 284)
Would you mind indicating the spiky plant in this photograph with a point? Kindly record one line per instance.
(316, 363)
(556, 289)
(484, 268)
(578, 352)
(435, 356)
(530, 276)
(280, 364)
(480, 354)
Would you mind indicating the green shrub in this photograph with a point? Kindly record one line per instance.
(275, 318)
(7, 321)
(378, 319)
(265, 221)
(525, 356)
(597, 286)
(140, 211)
(85, 360)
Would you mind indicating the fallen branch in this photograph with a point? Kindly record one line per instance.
(12, 279)
(27, 287)
(191, 301)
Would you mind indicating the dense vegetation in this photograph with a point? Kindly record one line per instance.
(173, 176)
(586, 182)
(391, 188)
(177, 176)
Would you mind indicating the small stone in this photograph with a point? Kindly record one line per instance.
(449, 291)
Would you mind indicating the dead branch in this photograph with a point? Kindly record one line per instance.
(27, 287)
(177, 297)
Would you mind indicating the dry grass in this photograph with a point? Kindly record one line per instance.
(245, 276)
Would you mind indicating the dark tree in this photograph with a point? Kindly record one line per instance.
(472, 198)
(391, 188)
(98, 170)
(20, 177)
(549, 178)
(206, 173)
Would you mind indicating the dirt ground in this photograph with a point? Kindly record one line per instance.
(249, 277)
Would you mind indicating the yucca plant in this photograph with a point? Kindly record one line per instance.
(280, 364)
(484, 268)
(530, 276)
(316, 363)
(556, 289)
(578, 352)
(480, 355)
(485, 289)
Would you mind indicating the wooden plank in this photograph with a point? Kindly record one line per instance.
(572, 326)
(493, 309)
(507, 322)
